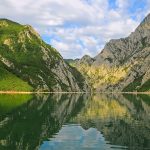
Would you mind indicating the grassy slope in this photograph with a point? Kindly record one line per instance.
(99, 76)
(31, 58)
(145, 86)
(10, 82)
(137, 83)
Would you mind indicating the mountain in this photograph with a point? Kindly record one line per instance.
(123, 64)
(71, 61)
(86, 59)
(38, 66)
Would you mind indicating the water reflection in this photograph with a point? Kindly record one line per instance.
(73, 121)
(9, 102)
(123, 120)
(75, 137)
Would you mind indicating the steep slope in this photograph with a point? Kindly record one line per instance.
(23, 53)
(123, 64)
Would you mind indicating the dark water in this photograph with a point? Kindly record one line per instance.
(74, 122)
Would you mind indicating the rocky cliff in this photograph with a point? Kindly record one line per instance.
(25, 55)
(123, 64)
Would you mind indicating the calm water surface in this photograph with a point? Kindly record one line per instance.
(74, 122)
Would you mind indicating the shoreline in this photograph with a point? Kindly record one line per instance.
(34, 92)
(27, 92)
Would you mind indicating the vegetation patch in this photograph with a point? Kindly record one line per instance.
(10, 82)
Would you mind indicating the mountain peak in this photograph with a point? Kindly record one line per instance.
(7, 21)
(86, 59)
(146, 19)
(4, 19)
(123, 64)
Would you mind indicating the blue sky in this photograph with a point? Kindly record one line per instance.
(77, 27)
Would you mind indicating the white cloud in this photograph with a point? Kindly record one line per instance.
(122, 4)
(75, 27)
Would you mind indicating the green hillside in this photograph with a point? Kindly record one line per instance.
(25, 54)
(10, 82)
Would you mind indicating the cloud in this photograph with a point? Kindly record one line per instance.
(77, 27)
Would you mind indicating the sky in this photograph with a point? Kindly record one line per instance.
(77, 27)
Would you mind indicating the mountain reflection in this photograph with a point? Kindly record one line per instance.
(123, 120)
(30, 124)
(77, 121)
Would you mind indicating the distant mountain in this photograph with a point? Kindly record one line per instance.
(123, 64)
(71, 61)
(86, 59)
(37, 65)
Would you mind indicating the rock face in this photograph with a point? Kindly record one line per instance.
(123, 64)
(23, 53)
(86, 59)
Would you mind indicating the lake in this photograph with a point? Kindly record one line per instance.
(74, 122)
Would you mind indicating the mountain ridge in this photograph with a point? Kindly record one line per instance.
(123, 64)
(27, 56)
